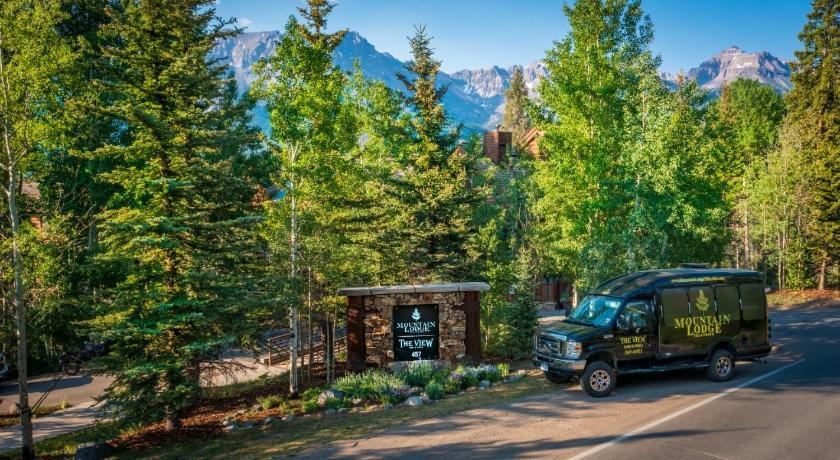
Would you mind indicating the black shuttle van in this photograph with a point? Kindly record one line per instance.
(655, 321)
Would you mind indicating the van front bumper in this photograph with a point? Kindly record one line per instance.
(557, 365)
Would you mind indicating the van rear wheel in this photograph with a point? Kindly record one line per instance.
(598, 379)
(721, 366)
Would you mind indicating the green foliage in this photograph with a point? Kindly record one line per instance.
(632, 176)
(504, 369)
(310, 406)
(452, 385)
(417, 373)
(337, 403)
(370, 385)
(311, 394)
(435, 390)
(271, 401)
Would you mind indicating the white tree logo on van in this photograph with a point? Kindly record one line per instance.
(702, 302)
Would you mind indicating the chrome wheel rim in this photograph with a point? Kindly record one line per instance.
(599, 380)
(723, 366)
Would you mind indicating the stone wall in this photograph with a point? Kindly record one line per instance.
(379, 339)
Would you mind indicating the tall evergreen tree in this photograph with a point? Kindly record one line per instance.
(516, 118)
(814, 106)
(439, 202)
(182, 221)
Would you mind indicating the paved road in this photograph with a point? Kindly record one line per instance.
(786, 408)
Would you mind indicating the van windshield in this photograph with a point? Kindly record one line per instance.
(595, 310)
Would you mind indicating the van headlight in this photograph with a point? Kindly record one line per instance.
(573, 349)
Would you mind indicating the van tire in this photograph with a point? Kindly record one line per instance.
(598, 379)
(721, 366)
(556, 378)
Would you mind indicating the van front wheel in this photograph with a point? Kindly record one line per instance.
(598, 379)
(721, 366)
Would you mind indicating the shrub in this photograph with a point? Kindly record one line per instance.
(452, 385)
(434, 390)
(310, 406)
(272, 401)
(488, 372)
(311, 394)
(504, 369)
(469, 376)
(417, 373)
(336, 403)
(369, 385)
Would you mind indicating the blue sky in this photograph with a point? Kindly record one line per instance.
(475, 34)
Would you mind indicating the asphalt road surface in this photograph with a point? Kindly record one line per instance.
(788, 407)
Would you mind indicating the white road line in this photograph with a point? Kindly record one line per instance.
(690, 408)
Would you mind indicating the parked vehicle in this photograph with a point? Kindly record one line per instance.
(655, 321)
(72, 361)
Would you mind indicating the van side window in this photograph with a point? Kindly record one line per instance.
(727, 302)
(702, 301)
(674, 304)
(635, 315)
(752, 300)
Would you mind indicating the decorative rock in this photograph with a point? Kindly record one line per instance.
(231, 427)
(484, 384)
(413, 401)
(247, 424)
(93, 451)
(289, 418)
(416, 391)
(387, 406)
(357, 402)
(343, 410)
(268, 420)
(425, 398)
(329, 394)
(329, 412)
(256, 408)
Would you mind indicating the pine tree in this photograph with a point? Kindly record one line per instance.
(31, 56)
(182, 221)
(516, 117)
(815, 112)
(439, 201)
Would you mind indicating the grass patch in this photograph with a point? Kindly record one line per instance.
(288, 438)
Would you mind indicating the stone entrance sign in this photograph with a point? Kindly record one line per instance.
(413, 322)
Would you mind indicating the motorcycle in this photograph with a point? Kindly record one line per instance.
(72, 361)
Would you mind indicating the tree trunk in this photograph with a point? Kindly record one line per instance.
(28, 448)
(293, 313)
(821, 275)
(309, 319)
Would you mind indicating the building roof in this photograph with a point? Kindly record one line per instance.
(413, 289)
(641, 283)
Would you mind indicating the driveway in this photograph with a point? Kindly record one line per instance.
(788, 407)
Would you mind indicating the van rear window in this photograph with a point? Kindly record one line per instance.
(727, 301)
(674, 303)
(752, 299)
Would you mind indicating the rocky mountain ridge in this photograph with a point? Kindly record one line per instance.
(476, 97)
